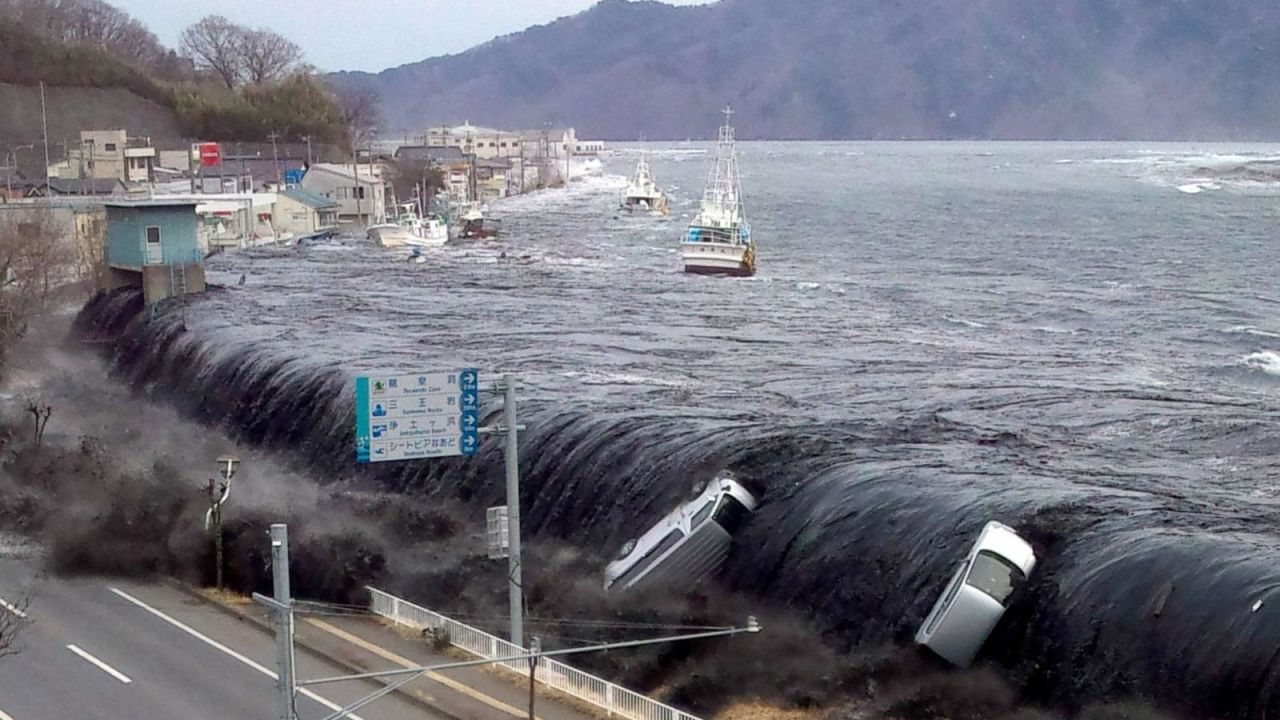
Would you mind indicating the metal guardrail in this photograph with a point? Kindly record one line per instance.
(613, 699)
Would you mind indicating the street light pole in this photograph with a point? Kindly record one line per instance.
(213, 519)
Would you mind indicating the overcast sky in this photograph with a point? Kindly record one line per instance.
(365, 34)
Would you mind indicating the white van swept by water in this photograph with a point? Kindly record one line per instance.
(975, 599)
(686, 545)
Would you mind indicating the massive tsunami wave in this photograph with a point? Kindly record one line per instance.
(887, 386)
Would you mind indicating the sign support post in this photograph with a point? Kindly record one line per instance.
(516, 588)
(432, 415)
(282, 605)
(510, 427)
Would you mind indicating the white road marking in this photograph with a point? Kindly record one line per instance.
(16, 611)
(4, 716)
(223, 648)
(101, 665)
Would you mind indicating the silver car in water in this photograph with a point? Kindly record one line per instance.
(689, 543)
(974, 601)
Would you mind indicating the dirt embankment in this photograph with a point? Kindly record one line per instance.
(72, 109)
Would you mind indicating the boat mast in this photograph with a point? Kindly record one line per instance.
(723, 190)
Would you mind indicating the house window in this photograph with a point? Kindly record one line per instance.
(359, 192)
(504, 144)
(109, 147)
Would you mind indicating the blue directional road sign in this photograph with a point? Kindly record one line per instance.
(422, 415)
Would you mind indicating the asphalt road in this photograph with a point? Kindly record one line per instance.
(102, 648)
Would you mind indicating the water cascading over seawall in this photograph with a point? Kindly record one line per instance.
(1136, 592)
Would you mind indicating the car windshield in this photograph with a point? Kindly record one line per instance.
(731, 514)
(994, 576)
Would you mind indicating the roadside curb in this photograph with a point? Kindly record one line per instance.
(266, 628)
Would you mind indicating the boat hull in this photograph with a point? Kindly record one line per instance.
(400, 236)
(389, 235)
(645, 204)
(713, 258)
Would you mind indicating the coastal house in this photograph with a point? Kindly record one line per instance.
(484, 143)
(558, 143)
(433, 156)
(303, 214)
(153, 245)
(110, 154)
(493, 178)
(361, 195)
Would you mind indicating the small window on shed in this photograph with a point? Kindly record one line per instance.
(109, 147)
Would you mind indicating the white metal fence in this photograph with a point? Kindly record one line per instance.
(613, 699)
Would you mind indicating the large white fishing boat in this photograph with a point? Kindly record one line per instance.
(409, 229)
(719, 238)
(643, 194)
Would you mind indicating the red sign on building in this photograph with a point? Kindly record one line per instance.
(210, 154)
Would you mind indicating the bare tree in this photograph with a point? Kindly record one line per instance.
(267, 56)
(13, 617)
(361, 115)
(40, 414)
(215, 44)
(409, 177)
(88, 22)
(32, 264)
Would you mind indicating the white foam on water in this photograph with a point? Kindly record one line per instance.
(602, 377)
(1191, 188)
(1264, 360)
(1250, 330)
(962, 321)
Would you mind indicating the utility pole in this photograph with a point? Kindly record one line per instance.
(355, 175)
(213, 523)
(44, 121)
(275, 156)
(307, 138)
(535, 647)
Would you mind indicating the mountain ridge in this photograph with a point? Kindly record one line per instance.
(866, 69)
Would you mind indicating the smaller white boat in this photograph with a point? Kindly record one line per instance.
(476, 226)
(643, 194)
(409, 229)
